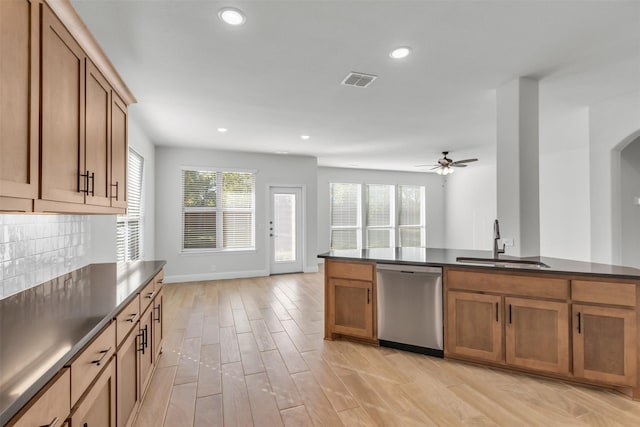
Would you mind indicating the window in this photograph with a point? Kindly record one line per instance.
(380, 216)
(129, 227)
(411, 215)
(345, 216)
(218, 210)
(392, 216)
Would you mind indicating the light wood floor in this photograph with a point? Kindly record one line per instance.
(250, 351)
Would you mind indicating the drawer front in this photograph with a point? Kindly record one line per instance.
(86, 367)
(351, 270)
(53, 403)
(146, 296)
(604, 292)
(126, 319)
(508, 284)
(158, 281)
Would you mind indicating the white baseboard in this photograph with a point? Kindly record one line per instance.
(310, 269)
(214, 276)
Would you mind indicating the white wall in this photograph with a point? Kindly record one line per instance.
(612, 125)
(271, 170)
(630, 204)
(471, 205)
(565, 219)
(435, 221)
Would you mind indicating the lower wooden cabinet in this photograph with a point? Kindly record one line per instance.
(350, 300)
(128, 377)
(146, 349)
(51, 406)
(474, 325)
(605, 344)
(158, 332)
(537, 334)
(98, 407)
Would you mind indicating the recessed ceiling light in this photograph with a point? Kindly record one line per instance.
(400, 52)
(305, 136)
(222, 130)
(232, 16)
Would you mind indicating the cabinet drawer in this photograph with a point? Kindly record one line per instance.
(351, 270)
(146, 296)
(508, 284)
(86, 367)
(158, 281)
(604, 292)
(52, 403)
(126, 319)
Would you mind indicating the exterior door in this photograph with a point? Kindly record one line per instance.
(285, 229)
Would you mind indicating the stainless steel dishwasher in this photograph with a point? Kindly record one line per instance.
(410, 308)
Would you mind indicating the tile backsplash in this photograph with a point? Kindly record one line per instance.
(37, 248)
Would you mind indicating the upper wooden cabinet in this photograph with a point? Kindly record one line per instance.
(63, 114)
(19, 97)
(118, 153)
(62, 146)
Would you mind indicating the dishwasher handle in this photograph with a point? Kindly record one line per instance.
(409, 269)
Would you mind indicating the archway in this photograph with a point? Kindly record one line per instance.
(630, 204)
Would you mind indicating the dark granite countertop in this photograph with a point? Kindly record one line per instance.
(447, 257)
(42, 328)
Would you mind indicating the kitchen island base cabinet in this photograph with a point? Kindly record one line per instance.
(350, 300)
(605, 344)
(537, 335)
(474, 325)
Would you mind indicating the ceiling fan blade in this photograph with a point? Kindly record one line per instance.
(455, 165)
(435, 167)
(464, 161)
(425, 166)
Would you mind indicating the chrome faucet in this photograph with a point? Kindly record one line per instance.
(496, 236)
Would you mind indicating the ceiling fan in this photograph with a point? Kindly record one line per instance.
(445, 165)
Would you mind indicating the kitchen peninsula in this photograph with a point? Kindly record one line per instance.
(570, 320)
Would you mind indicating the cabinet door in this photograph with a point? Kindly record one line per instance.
(62, 145)
(118, 152)
(474, 325)
(146, 352)
(537, 334)
(98, 407)
(351, 307)
(19, 97)
(604, 344)
(128, 374)
(157, 325)
(98, 136)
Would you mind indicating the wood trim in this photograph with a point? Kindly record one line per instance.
(78, 29)
(12, 204)
(48, 206)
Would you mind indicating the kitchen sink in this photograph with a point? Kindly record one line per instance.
(511, 263)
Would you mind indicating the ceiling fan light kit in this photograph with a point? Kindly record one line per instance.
(445, 165)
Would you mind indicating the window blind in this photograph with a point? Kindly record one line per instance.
(218, 209)
(129, 227)
(380, 210)
(345, 215)
(411, 215)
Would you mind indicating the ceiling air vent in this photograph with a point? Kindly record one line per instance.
(358, 79)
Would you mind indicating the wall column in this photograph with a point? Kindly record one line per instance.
(517, 166)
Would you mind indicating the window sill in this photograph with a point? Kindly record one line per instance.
(216, 251)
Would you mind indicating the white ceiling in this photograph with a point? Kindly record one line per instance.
(278, 76)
